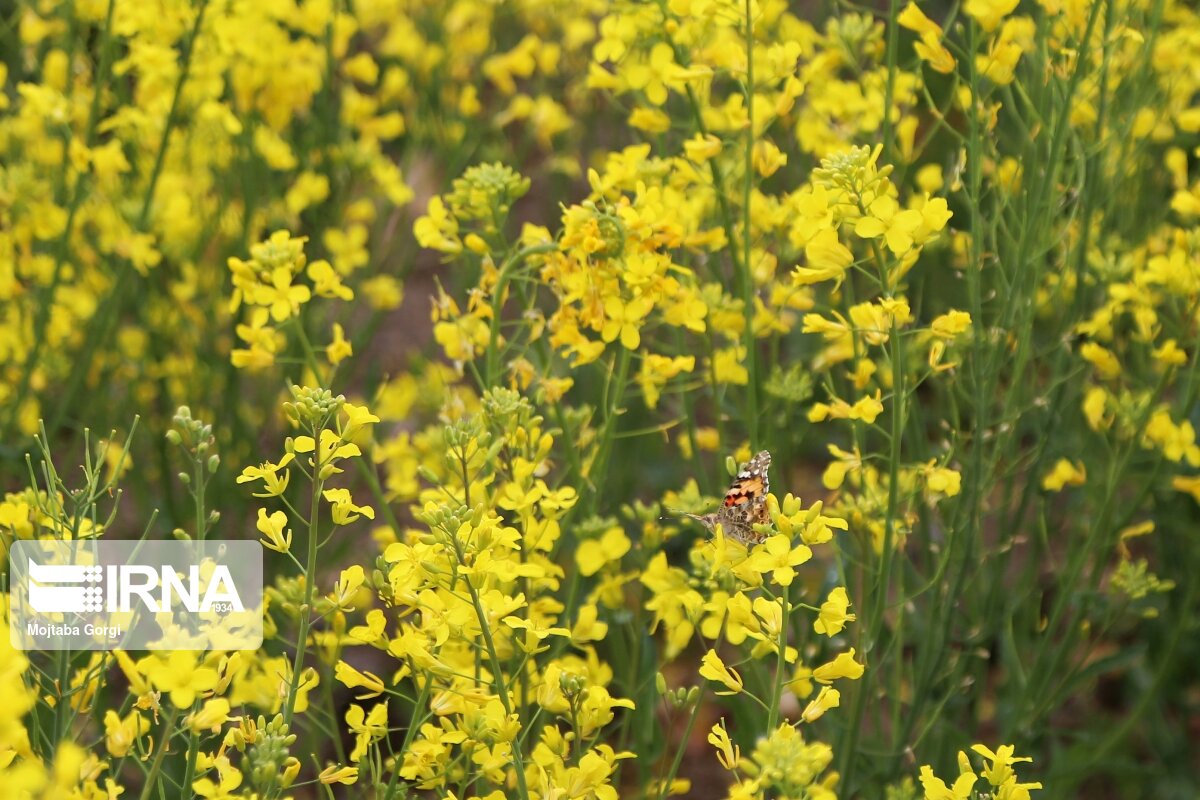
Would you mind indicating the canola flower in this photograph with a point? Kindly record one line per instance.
(950, 260)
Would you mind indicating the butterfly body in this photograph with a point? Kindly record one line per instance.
(745, 504)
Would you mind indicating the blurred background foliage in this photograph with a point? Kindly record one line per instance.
(573, 199)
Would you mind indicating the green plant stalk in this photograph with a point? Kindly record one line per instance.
(193, 751)
(1150, 693)
(497, 670)
(889, 89)
(599, 468)
(163, 744)
(874, 625)
(1089, 194)
(665, 784)
(780, 662)
(1016, 315)
(718, 185)
(505, 275)
(310, 576)
(1093, 544)
(748, 292)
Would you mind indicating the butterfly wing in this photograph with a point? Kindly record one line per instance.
(745, 503)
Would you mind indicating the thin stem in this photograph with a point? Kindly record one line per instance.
(780, 663)
(309, 585)
(665, 783)
(748, 290)
(497, 672)
(163, 744)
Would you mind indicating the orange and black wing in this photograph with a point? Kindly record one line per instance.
(748, 492)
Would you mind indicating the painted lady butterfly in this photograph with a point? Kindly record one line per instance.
(745, 503)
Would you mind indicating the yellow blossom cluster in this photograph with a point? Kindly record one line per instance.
(941, 263)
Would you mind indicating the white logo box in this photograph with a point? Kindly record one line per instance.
(108, 594)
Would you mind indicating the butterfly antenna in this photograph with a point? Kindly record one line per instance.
(676, 514)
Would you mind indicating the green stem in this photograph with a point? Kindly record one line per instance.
(780, 662)
(497, 673)
(665, 784)
(505, 275)
(748, 289)
(883, 580)
(156, 765)
(310, 580)
(193, 751)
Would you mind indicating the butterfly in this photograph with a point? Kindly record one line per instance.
(745, 503)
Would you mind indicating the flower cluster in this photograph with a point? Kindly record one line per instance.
(944, 266)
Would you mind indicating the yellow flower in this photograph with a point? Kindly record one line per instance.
(1000, 771)
(327, 282)
(826, 699)
(913, 18)
(593, 554)
(353, 679)
(936, 789)
(281, 297)
(833, 615)
(1106, 364)
(274, 484)
(867, 409)
(941, 481)
(349, 581)
(729, 754)
(651, 75)
(335, 774)
(1064, 473)
(929, 48)
(1000, 62)
(272, 528)
(1189, 484)
(121, 734)
(357, 417)
(728, 366)
(211, 716)
(367, 727)
(535, 630)
(587, 626)
(844, 666)
(884, 218)
(777, 556)
(177, 674)
(951, 324)
(308, 190)
(768, 158)
(828, 259)
(624, 319)
(701, 147)
(713, 668)
(1176, 441)
(333, 448)
(989, 13)
(437, 229)
(229, 777)
(650, 120)
(339, 349)
(1095, 408)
